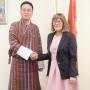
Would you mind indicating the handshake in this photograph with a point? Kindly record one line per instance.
(34, 56)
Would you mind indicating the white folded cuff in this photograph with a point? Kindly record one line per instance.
(41, 65)
(24, 52)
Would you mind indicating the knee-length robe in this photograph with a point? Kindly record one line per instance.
(24, 73)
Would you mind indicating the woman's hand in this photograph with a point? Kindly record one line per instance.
(34, 56)
(72, 80)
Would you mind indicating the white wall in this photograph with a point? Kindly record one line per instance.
(41, 17)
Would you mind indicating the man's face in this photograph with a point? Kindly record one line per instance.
(26, 12)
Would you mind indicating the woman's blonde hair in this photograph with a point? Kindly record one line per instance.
(62, 17)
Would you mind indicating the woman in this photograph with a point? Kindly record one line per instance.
(62, 72)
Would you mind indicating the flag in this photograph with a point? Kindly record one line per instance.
(54, 8)
(72, 19)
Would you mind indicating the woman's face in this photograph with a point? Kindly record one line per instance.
(57, 24)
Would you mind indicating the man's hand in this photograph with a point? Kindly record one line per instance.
(34, 56)
(72, 80)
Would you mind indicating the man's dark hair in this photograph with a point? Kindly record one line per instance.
(26, 2)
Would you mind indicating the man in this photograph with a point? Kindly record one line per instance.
(24, 38)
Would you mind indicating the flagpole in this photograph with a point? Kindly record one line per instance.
(72, 18)
(56, 5)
